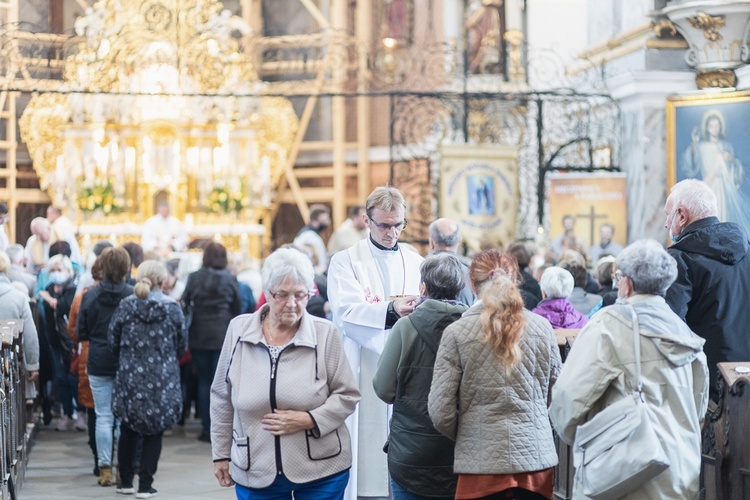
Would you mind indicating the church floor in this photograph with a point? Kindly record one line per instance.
(60, 467)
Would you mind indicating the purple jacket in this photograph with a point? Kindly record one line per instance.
(560, 313)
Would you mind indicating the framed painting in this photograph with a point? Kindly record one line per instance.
(706, 140)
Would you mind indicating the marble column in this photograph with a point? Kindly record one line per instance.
(643, 98)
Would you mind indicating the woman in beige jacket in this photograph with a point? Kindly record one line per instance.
(492, 382)
(600, 371)
(282, 390)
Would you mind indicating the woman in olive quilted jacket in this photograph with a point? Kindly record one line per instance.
(491, 387)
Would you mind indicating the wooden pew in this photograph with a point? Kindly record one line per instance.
(564, 471)
(725, 463)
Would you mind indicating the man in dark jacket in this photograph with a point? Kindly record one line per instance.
(712, 291)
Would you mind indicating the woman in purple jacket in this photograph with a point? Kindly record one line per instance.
(557, 285)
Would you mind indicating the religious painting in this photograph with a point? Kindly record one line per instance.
(583, 202)
(706, 140)
(396, 19)
(479, 190)
(481, 194)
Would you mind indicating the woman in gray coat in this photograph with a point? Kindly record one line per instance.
(420, 459)
(599, 370)
(147, 335)
(493, 377)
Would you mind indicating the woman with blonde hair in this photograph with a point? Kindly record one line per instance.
(147, 335)
(491, 387)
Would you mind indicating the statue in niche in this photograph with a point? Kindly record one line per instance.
(485, 28)
(396, 19)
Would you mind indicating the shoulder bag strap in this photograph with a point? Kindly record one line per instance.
(637, 348)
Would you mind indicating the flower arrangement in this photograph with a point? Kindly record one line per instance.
(221, 199)
(99, 195)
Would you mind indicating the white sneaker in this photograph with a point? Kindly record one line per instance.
(125, 490)
(65, 424)
(80, 424)
(146, 494)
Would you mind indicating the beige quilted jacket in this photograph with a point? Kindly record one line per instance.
(500, 424)
(312, 375)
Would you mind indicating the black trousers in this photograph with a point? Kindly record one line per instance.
(126, 453)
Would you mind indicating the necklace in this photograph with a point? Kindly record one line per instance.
(266, 331)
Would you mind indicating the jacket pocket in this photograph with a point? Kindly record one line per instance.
(323, 447)
(240, 453)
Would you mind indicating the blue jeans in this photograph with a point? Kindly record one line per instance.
(205, 362)
(399, 493)
(101, 389)
(67, 384)
(329, 488)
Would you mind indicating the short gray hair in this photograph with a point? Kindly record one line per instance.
(287, 263)
(444, 240)
(696, 197)
(15, 253)
(443, 275)
(386, 198)
(651, 269)
(557, 283)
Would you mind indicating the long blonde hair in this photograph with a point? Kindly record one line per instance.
(494, 276)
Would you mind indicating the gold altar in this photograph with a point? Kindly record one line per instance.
(161, 103)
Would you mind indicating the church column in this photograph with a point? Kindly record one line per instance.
(642, 97)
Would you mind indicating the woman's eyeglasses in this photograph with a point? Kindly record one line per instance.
(284, 296)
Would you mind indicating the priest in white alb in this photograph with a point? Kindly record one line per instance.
(370, 286)
(163, 233)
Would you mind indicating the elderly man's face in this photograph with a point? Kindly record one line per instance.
(42, 232)
(606, 234)
(52, 214)
(163, 210)
(673, 219)
(386, 227)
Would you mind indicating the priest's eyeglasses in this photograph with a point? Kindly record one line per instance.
(298, 296)
(387, 227)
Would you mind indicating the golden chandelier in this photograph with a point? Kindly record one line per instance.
(160, 101)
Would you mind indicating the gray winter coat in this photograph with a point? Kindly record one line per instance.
(499, 421)
(15, 305)
(600, 371)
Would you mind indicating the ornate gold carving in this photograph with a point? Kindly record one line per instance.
(709, 24)
(718, 78)
(515, 66)
(664, 28)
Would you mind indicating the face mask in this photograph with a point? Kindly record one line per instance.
(58, 277)
(672, 237)
(321, 228)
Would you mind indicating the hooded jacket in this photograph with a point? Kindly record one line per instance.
(599, 371)
(97, 308)
(215, 298)
(15, 305)
(148, 336)
(560, 313)
(712, 292)
(420, 459)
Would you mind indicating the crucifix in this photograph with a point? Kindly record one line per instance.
(591, 216)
